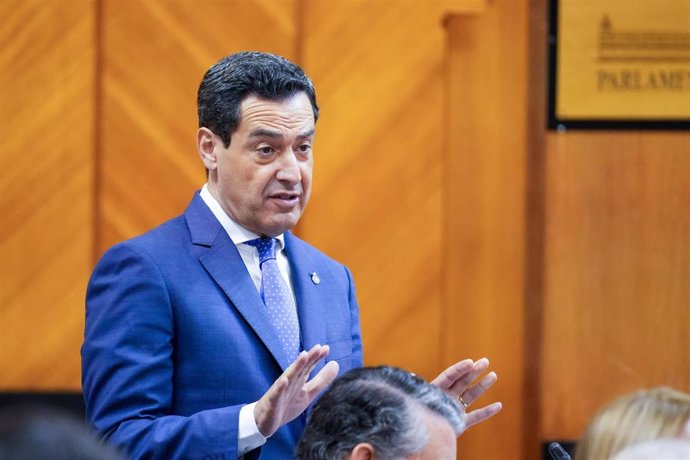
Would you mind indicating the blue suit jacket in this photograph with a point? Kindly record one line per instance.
(177, 338)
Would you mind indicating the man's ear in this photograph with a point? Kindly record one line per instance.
(363, 451)
(206, 143)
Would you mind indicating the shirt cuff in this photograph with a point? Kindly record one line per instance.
(248, 435)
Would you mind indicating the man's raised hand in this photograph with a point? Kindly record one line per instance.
(290, 395)
(458, 380)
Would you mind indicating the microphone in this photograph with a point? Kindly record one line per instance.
(558, 452)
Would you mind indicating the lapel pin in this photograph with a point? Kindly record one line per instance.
(315, 278)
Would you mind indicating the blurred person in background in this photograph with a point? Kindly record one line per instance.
(659, 449)
(645, 415)
(37, 433)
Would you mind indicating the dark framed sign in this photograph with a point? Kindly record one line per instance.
(619, 64)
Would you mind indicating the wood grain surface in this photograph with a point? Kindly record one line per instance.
(46, 157)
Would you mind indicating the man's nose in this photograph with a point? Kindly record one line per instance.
(288, 169)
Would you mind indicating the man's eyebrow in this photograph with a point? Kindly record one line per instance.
(306, 134)
(263, 132)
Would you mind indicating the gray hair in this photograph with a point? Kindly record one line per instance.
(381, 406)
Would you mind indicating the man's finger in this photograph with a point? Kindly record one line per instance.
(324, 378)
(479, 415)
(298, 373)
(277, 390)
(316, 354)
(472, 394)
(297, 364)
(458, 388)
(265, 409)
(305, 360)
(451, 375)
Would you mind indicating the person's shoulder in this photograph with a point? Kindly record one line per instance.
(296, 245)
(159, 242)
(179, 230)
(163, 234)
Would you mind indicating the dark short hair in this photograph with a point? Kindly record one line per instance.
(228, 82)
(381, 406)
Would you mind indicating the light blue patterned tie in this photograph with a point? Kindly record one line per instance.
(277, 297)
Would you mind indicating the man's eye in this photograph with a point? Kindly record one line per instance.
(265, 151)
(304, 148)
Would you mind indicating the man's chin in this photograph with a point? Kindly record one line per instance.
(281, 224)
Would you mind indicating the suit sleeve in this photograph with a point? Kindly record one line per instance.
(357, 353)
(127, 367)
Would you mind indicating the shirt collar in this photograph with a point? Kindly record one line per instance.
(237, 233)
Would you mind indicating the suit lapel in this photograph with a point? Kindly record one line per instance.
(310, 307)
(224, 264)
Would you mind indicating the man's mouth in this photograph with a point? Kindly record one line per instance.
(285, 200)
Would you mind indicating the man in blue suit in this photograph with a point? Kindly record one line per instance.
(201, 335)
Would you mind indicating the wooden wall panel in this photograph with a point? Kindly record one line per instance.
(484, 209)
(377, 201)
(46, 145)
(154, 56)
(609, 242)
(611, 207)
(617, 241)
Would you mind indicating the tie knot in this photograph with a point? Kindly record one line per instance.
(266, 248)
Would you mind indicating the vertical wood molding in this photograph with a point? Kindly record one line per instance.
(534, 226)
